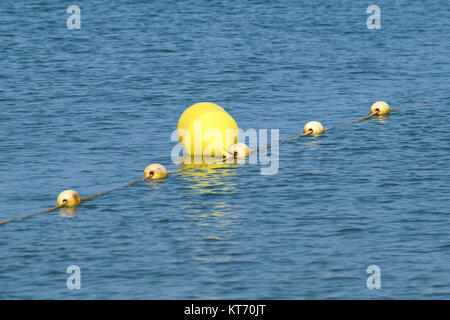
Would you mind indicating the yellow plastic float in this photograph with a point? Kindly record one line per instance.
(313, 127)
(155, 171)
(380, 108)
(239, 150)
(70, 198)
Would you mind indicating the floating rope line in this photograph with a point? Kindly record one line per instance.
(34, 214)
(70, 195)
(280, 142)
(71, 198)
(108, 191)
(367, 117)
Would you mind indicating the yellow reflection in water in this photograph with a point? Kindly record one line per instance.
(313, 142)
(206, 177)
(157, 184)
(212, 215)
(381, 118)
(67, 212)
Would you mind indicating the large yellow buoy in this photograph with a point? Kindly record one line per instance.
(380, 107)
(206, 129)
(155, 171)
(239, 150)
(313, 127)
(70, 198)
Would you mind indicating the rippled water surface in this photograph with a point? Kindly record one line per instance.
(89, 109)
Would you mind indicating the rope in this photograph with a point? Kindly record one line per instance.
(34, 214)
(108, 191)
(219, 161)
(282, 141)
(346, 123)
(310, 132)
(366, 117)
(81, 201)
(176, 171)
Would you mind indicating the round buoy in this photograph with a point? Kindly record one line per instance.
(313, 127)
(155, 171)
(239, 150)
(70, 198)
(207, 129)
(380, 107)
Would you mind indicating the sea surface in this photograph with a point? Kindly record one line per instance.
(89, 109)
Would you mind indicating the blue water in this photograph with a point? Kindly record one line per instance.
(89, 109)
